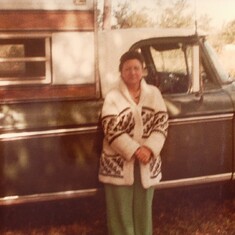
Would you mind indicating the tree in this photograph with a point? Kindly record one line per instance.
(228, 33)
(107, 14)
(176, 16)
(204, 22)
(126, 17)
(163, 14)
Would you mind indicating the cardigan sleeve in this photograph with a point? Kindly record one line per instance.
(159, 127)
(158, 135)
(117, 126)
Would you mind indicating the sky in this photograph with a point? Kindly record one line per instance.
(220, 11)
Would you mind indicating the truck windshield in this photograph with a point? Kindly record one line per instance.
(224, 76)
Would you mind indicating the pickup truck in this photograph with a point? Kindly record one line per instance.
(52, 86)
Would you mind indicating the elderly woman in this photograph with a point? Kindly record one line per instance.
(135, 122)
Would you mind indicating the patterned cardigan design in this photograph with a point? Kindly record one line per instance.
(112, 163)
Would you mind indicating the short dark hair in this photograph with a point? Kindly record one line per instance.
(130, 55)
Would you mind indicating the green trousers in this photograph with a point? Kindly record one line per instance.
(129, 208)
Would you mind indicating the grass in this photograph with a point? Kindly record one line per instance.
(175, 212)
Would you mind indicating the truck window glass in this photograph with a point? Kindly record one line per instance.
(217, 64)
(173, 69)
(206, 78)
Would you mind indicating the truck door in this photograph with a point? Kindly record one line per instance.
(199, 145)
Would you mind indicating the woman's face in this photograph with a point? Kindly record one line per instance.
(132, 72)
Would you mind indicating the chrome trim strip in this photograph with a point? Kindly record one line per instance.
(195, 181)
(23, 59)
(58, 132)
(14, 200)
(208, 118)
(24, 35)
(46, 133)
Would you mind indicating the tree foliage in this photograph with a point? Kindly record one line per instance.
(176, 15)
(204, 23)
(173, 14)
(128, 18)
(228, 33)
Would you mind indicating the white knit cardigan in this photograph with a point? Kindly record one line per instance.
(126, 127)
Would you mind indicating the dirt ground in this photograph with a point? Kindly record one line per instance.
(197, 211)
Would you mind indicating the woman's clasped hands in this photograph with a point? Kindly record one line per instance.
(143, 154)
